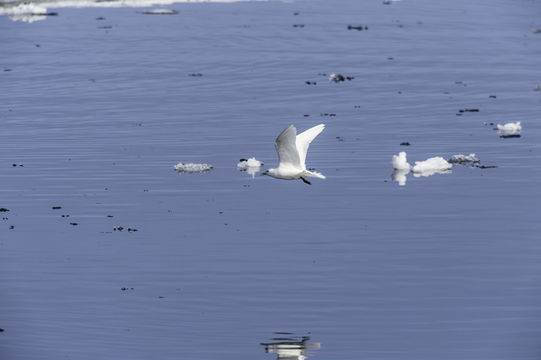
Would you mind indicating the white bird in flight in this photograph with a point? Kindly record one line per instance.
(292, 149)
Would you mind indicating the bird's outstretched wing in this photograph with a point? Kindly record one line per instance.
(303, 142)
(287, 149)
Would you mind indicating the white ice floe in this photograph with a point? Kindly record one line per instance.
(26, 13)
(400, 162)
(510, 128)
(251, 166)
(434, 165)
(464, 159)
(159, 12)
(292, 149)
(10, 9)
(192, 168)
(248, 163)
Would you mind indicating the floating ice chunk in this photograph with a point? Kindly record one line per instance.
(159, 12)
(434, 165)
(27, 9)
(28, 13)
(248, 163)
(192, 168)
(510, 128)
(338, 78)
(400, 162)
(464, 159)
(400, 176)
(251, 166)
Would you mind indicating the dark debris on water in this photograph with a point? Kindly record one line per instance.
(358, 27)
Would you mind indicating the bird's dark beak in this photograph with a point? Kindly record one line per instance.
(263, 173)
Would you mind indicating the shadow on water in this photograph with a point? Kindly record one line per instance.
(291, 346)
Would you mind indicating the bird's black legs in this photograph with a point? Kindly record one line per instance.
(306, 181)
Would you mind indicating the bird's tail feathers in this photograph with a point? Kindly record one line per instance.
(313, 174)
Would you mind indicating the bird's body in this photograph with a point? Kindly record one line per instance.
(292, 149)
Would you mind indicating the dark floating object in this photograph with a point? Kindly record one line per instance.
(492, 96)
(6, 70)
(15, 165)
(310, 83)
(196, 75)
(296, 13)
(468, 110)
(339, 77)
(405, 143)
(132, 229)
(1, 330)
(327, 114)
(65, 216)
(306, 115)
(56, 207)
(462, 159)
(486, 166)
(339, 138)
(118, 228)
(74, 223)
(12, 227)
(3, 210)
(298, 25)
(358, 28)
(100, 18)
(510, 136)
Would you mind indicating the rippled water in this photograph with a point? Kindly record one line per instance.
(99, 111)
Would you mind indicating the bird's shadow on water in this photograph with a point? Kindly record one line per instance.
(288, 346)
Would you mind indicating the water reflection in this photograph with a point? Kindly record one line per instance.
(291, 347)
(400, 176)
(430, 172)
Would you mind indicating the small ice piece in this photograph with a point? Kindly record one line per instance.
(248, 163)
(464, 159)
(251, 166)
(434, 165)
(28, 13)
(510, 128)
(159, 12)
(192, 168)
(400, 162)
(336, 78)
